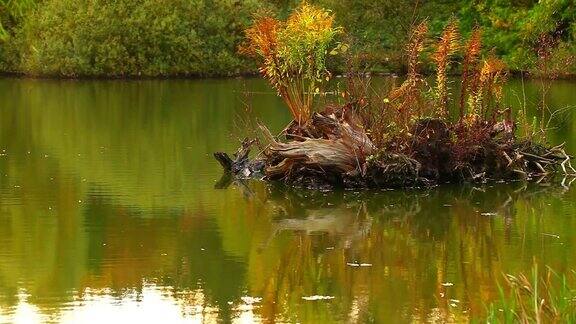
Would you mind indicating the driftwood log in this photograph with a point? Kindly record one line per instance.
(336, 148)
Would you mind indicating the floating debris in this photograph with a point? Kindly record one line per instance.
(489, 214)
(447, 284)
(359, 264)
(251, 300)
(317, 297)
(551, 235)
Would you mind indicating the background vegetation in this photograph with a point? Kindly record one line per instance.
(201, 37)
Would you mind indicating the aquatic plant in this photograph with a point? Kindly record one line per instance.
(546, 297)
(293, 54)
(492, 77)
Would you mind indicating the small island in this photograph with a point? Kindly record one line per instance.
(415, 134)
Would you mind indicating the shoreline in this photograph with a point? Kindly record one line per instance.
(243, 75)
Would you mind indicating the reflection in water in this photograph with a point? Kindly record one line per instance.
(108, 211)
(151, 305)
(430, 253)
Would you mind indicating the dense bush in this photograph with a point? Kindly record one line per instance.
(516, 30)
(133, 37)
(528, 34)
(200, 37)
(379, 28)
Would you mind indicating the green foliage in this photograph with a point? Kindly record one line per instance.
(11, 12)
(200, 37)
(293, 54)
(525, 32)
(133, 38)
(535, 298)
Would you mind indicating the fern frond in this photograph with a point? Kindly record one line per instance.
(415, 47)
(492, 76)
(448, 45)
(470, 67)
(405, 97)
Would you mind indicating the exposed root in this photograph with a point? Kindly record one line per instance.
(336, 147)
(333, 150)
(241, 166)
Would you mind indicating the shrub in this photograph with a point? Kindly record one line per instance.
(294, 54)
(134, 38)
(516, 31)
(199, 37)
(11, 13)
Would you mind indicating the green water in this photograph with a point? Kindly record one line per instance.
(108, 212)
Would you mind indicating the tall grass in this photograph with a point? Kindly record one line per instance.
(539, 297)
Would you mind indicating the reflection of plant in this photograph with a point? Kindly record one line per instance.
(294, 54)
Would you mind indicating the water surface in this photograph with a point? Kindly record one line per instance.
(109, 212)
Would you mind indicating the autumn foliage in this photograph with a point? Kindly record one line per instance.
(293, 54)
(413, 134)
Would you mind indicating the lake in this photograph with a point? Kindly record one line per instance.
(109, 212)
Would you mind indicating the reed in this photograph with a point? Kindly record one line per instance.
(539, 297)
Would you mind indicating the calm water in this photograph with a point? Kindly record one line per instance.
(108, 212)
